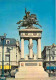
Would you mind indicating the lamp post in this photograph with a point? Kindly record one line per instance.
(49, 63)
(2, 39)
(2, 75)
(9, 60)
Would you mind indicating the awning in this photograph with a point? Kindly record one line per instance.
(51, 67)
(5, 67)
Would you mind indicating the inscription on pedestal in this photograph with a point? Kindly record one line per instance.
(30, 64)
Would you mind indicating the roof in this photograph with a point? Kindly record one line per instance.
(12, 41)
(53, 45)
(2, 37)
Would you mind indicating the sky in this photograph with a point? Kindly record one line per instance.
(11, 11)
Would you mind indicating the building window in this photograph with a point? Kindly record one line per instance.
(7, 41)
(8, 50)
(6, 57)
(53, 52)
(53, 57)
(50, 58)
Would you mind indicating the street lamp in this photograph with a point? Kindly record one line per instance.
(9, 60)
(2, 75)
(2, 39)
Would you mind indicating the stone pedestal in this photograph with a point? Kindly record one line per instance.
(31, 69)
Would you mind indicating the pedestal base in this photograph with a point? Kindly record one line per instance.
(31, 69)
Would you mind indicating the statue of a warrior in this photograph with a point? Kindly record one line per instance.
(28, 20)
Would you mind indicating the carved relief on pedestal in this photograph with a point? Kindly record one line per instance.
(22, 64)
(26, 34)
(34, 34)
(40, 64)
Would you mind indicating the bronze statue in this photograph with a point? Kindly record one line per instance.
(28, 20)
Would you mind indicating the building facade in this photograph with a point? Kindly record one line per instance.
(49, 56)
(11, 53)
